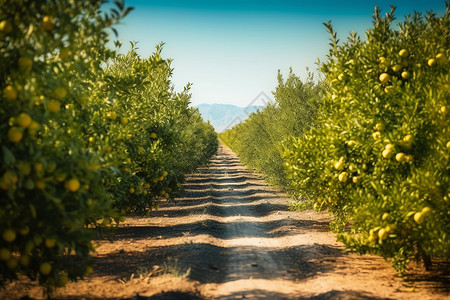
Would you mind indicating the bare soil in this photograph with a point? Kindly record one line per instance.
(231, 236)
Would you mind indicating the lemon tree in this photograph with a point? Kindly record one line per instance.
(259, 140)
(147, 134)
(86, 135)
(378, 157)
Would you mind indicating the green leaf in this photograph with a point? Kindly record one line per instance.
(8, 157)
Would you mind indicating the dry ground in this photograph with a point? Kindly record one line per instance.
(232, 237)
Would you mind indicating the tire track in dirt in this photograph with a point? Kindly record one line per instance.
(230, 236)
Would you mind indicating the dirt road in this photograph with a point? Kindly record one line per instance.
(232, 237)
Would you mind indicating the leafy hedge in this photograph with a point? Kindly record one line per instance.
(86, 135)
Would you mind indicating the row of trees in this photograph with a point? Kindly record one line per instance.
(375, 148)
(87, 135)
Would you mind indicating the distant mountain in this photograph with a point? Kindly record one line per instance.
(225, 116)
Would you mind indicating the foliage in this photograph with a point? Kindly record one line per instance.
(378, 158)
(258, 141)
(86, 135)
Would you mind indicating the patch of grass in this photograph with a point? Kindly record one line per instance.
(171, 267)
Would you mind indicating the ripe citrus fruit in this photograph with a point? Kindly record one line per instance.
(343, 177)
(382, 234)
(72, 185)
(5, 27)
(40, 185)
(400, 157)
(379, 127)
(409, 158)
(9, 235)
(403, 53)
(384, 77)
(33, 127)
(397, 68)
(419, 217)
(441, 58)
(10, 93)
(431, 62)
(376, 135)
(387, 153)
(23, 120)
(405, 74)
(112, 115)
(339, 165)
(48, 23)
(15, 134)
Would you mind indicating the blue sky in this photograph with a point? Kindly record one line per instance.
(231, 50)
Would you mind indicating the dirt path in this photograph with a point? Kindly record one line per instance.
(232, 237)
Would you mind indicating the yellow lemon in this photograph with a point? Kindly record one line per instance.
(5, 27)
(376, 135)
(379, 127)
(382, 234)
(397, 68)
(48, 23)
(419, 217)
(343, 177)
(400, 157)
(72, 185)
(387, 153)
(33, 127)
(431, 62)
(384, 77)
(409, 158)
(112, 115)
(15, 134)
(23, 120)
(10, 93)
(441, 58)
(403, 53)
